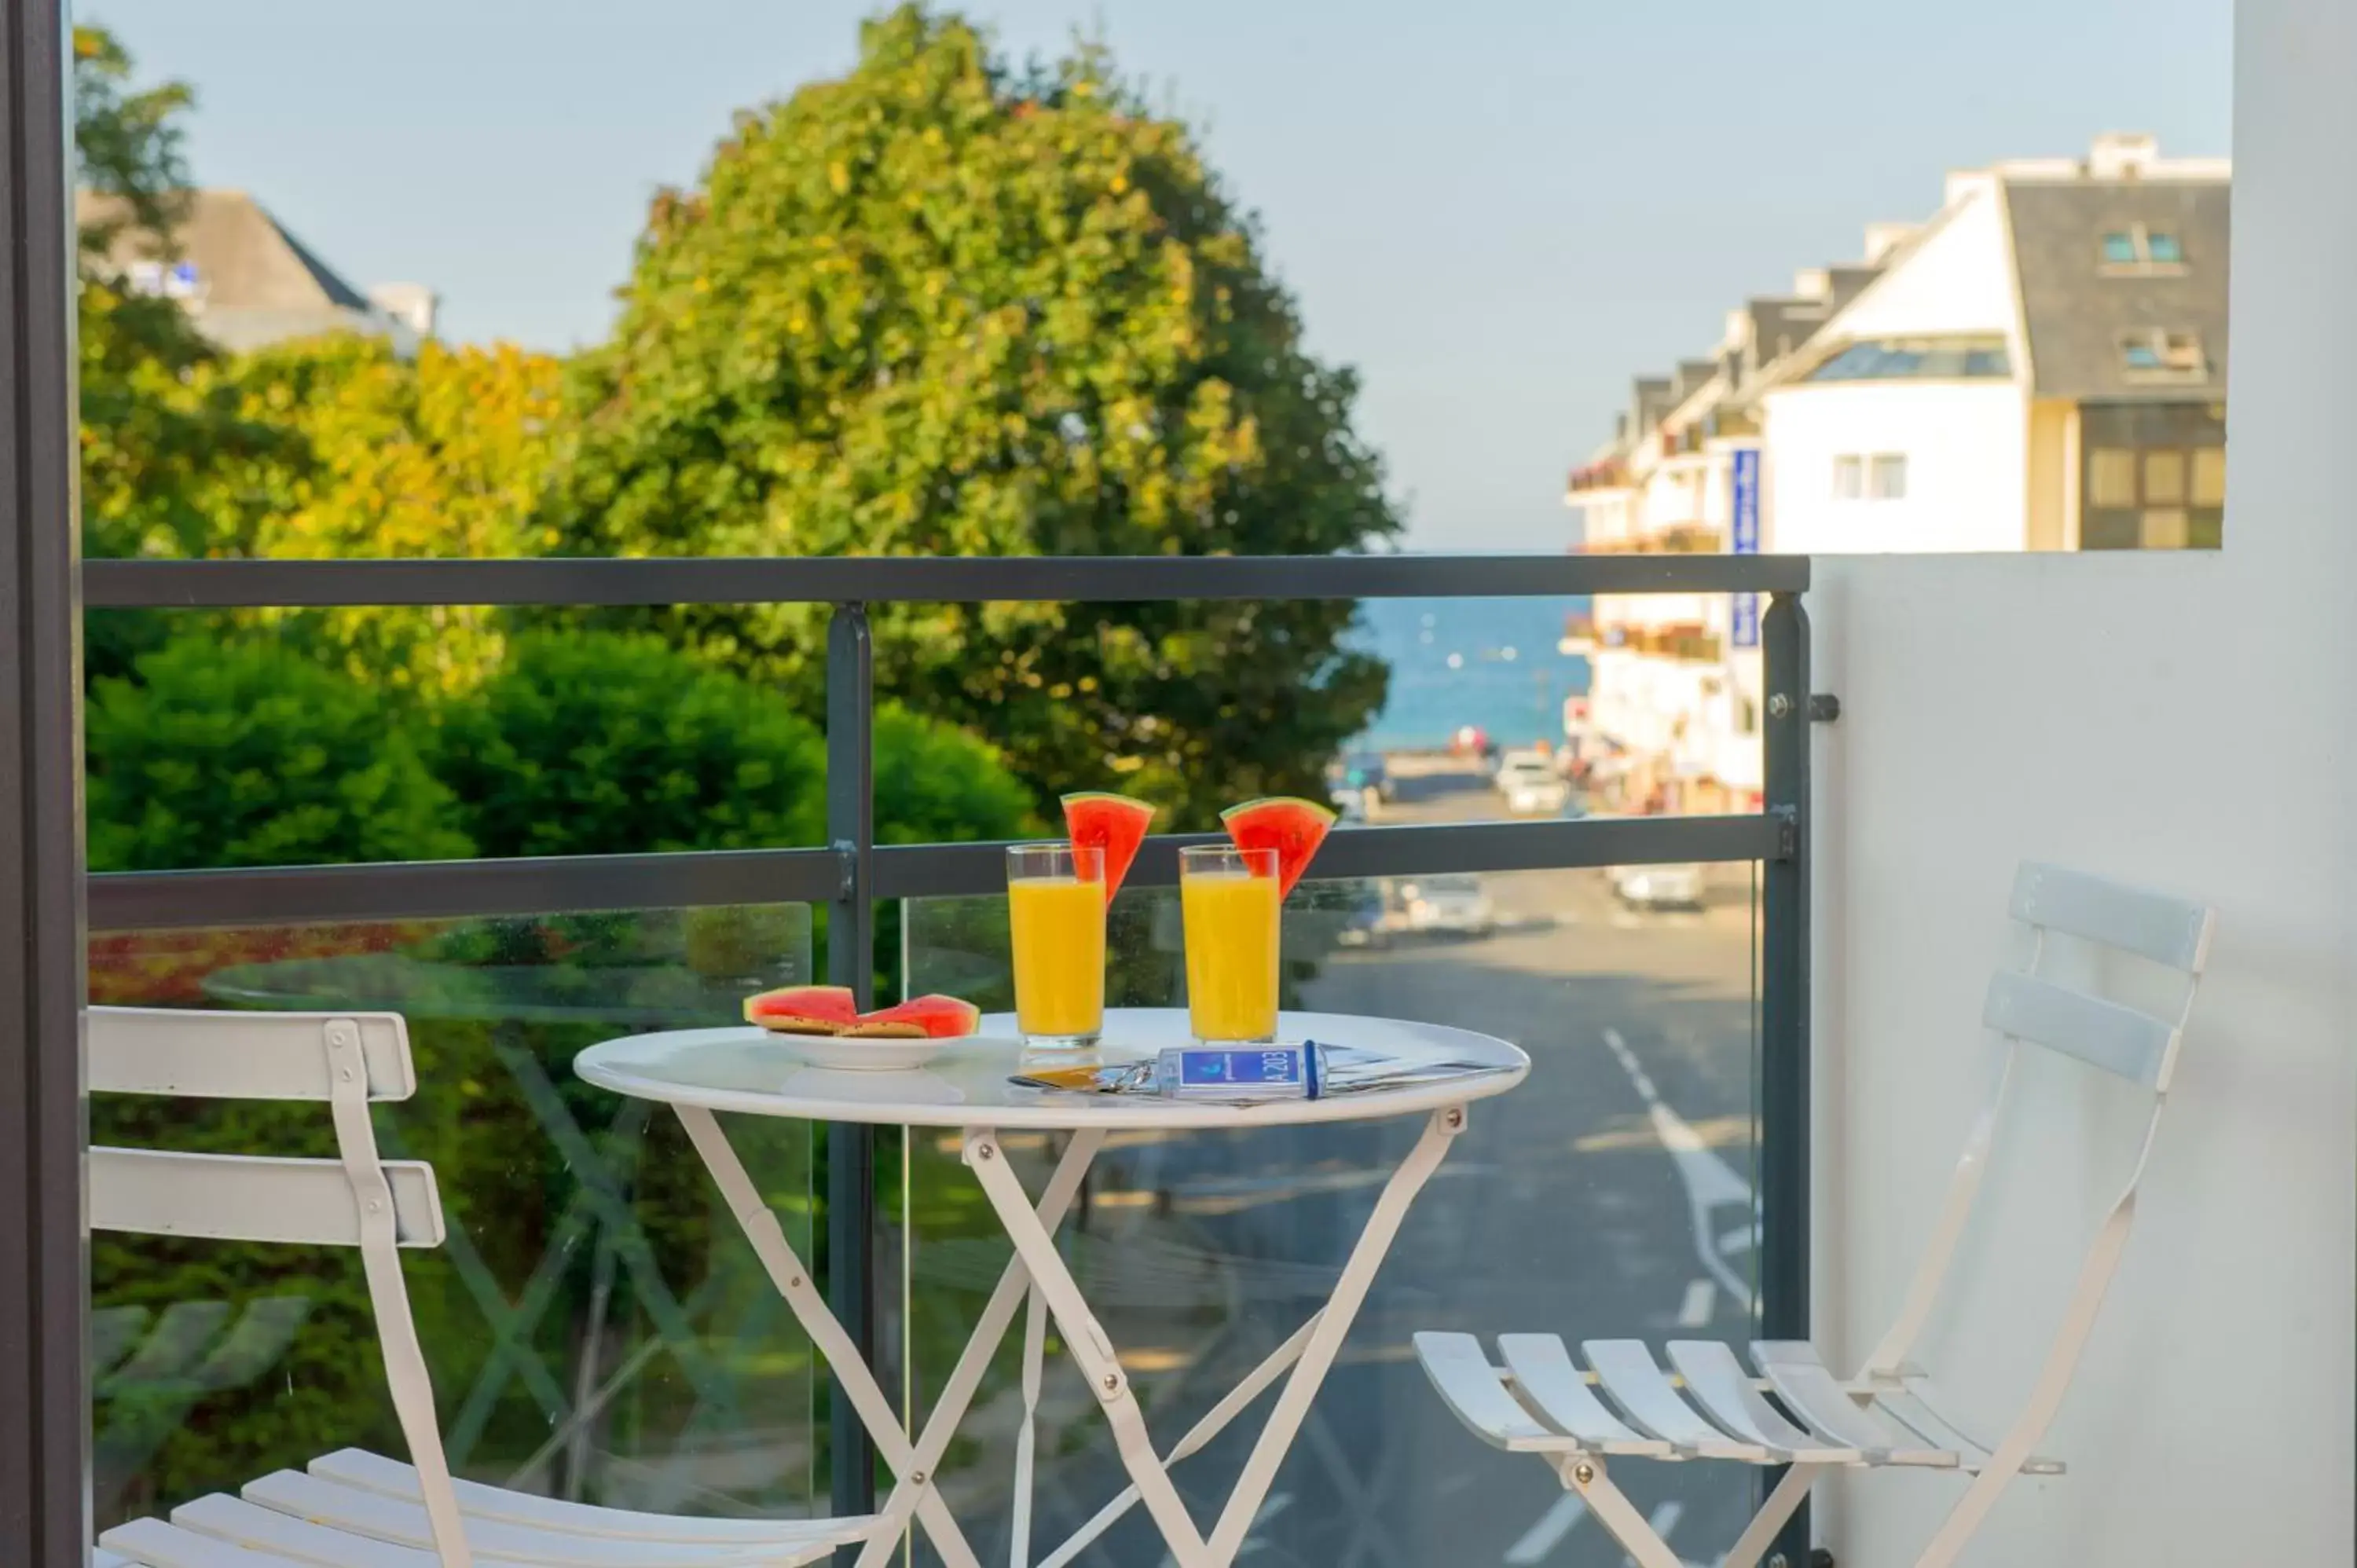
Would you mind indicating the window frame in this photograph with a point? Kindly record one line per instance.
(2142, 261)
(1849, 477)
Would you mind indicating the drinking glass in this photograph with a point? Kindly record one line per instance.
(1227, 897)
(1056, 906)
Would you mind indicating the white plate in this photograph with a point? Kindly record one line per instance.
(840, 1054)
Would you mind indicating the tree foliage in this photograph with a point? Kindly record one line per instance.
(443, 454)
(935, 784)
(170, 465)
(937, 307)
(128, 141)
(586, 743)
(246, 753)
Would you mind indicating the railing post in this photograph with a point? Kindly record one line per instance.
(1784, 1150)
(851, 961)
(44, 1263)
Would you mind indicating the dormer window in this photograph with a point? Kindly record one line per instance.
(2156, 356)
(2140, 250)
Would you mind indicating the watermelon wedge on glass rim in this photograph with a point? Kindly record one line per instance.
(1291, 826)
(1113, 825)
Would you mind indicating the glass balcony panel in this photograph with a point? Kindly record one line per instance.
(1608, 1196)
(596, 1327)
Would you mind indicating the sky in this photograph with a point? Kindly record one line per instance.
(1498, 210)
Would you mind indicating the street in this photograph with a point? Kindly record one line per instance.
(1606, 1197)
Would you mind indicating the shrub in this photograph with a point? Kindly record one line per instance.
(245, 753)
(586, 743)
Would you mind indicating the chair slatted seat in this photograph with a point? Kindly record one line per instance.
(1787, 1408)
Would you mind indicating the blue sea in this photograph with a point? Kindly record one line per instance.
(1488, 662)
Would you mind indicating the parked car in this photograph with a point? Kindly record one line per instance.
(1658, 887)
(1366, 770)
(1367, 922)
(1451, 903)
(1530, 785)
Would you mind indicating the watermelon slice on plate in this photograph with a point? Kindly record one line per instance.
(797, 1009)
(1115, 824)
(1286, 824)
(940, 1017)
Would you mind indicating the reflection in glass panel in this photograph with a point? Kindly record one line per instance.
(1562, 1208)
(595, 1325)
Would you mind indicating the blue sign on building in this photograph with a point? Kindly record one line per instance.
(1746, 477)
(1744, 625)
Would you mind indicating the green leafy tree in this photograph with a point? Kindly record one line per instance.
(593, 743)
(245, 753)
(939, 308)
(443, 453)
(938, 785)
(170, 465)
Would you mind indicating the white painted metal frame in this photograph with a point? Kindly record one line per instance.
(353, 1509)
(1038, 1280)
(1541, 1402)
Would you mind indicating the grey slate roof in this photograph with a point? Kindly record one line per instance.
(255, 282)
(2076, 312)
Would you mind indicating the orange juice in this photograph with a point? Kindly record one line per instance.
(1060, 956)
(1231, 919)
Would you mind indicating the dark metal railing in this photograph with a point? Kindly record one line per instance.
(852, 872)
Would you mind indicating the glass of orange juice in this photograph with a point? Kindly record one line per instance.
(1056, 904)
(1228, 900)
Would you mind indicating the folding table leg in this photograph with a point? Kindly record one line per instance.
(1215, 1421)
(966, 1378)
(1333, 1325)
(1094, 1350)
(1087, 1341)
(1027, 1436)
(852, 1375)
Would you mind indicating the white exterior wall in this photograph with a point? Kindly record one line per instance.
(1966, 446)
(2067, 706)
(1958, 280)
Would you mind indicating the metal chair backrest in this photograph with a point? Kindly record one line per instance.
(345, 1060)
(2034, 1006)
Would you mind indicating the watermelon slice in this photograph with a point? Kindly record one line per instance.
(940, 1017)
(1291, 826)
(1115, 824)
(790, 1005)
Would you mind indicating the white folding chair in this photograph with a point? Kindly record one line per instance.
(1795, 1412)
(353, 1510)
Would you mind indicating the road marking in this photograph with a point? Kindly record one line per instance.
(1702, 1297)
(1543, 1537)
(1710, 1182)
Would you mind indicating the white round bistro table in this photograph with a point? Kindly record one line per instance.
(745, 1071)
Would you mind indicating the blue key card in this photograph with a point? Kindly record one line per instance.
(1240, 1072)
